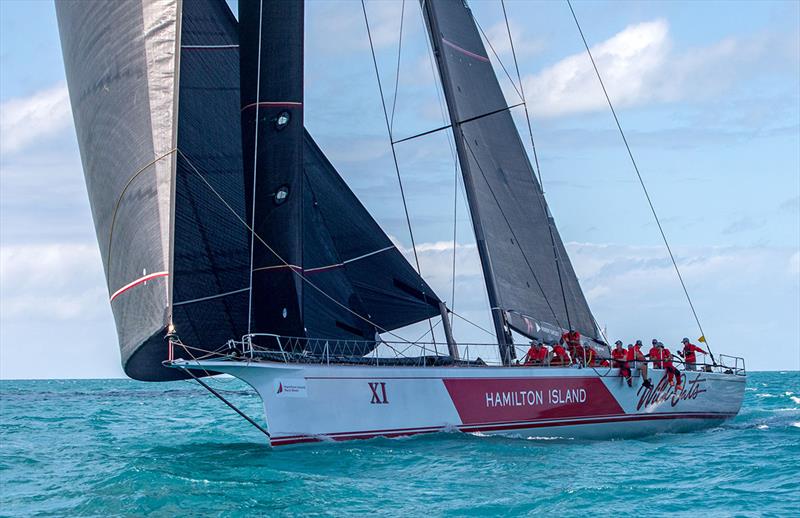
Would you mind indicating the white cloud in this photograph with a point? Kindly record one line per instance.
(27, 120)
(52, 282)
(638, 66)
(523, 45)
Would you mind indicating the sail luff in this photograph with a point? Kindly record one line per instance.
(498, 318)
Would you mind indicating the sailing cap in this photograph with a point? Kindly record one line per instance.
(638, 342)
(654, 342)
(660, 344)
(685, 341)
(618, 342)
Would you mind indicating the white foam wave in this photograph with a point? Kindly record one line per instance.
(795, 399)
(796, 424)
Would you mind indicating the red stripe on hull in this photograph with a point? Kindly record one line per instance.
(492, 427)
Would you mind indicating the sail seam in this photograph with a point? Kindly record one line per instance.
(210, 297)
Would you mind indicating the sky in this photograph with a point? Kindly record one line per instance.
(708, 93)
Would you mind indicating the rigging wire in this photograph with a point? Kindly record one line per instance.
(502, 65)
(468, 321)
(394, 153)
(255, 163)
(278, 256)
(641, 180)
(397, 72)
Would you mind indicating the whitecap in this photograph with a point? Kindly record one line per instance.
(796, 425)
(795, 399)
(762, 427)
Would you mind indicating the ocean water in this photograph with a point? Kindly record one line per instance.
(120, 447)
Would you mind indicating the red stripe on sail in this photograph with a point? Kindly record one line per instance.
(137, 282)
(465, 51)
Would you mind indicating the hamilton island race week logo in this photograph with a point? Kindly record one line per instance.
(664, 392)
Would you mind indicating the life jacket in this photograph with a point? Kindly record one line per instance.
(655, 356)
(619, 355)
(630, 354)
(541, 354)
(530, 356)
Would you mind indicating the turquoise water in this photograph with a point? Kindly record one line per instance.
(119, 447)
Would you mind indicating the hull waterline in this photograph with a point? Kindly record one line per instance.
(310, 403)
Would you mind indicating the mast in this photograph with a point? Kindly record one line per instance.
(271, 78)
(504, 339)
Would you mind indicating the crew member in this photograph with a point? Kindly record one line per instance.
(559, 356)
(689, 354)
(536, 354)
(655, 355)
(620, 355)
(666, 358)
(572, 340)
(636, 359)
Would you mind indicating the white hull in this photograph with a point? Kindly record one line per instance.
(306, 403)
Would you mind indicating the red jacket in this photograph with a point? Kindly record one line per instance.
(619, 355)
(571, 339)
(689, 351)
(655, 355)
(560, 354)
(666, 355)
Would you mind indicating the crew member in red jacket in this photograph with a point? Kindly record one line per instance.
(655, 355)
(689, 356)
(572, 340)
(536, 354)
(666, 358)
(559, 356)
(620, 356)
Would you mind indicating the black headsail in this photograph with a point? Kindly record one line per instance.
(321, 266)
(531, 284)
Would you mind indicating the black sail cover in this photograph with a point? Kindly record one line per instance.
(156, 106)
(509, 209)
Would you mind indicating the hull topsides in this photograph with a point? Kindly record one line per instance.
(307, 403)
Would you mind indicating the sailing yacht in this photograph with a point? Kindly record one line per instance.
(232, 245)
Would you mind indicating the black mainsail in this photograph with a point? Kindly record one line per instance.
(531, 284)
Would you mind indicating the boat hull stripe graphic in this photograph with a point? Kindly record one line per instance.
(137, 282)
(369, 434)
